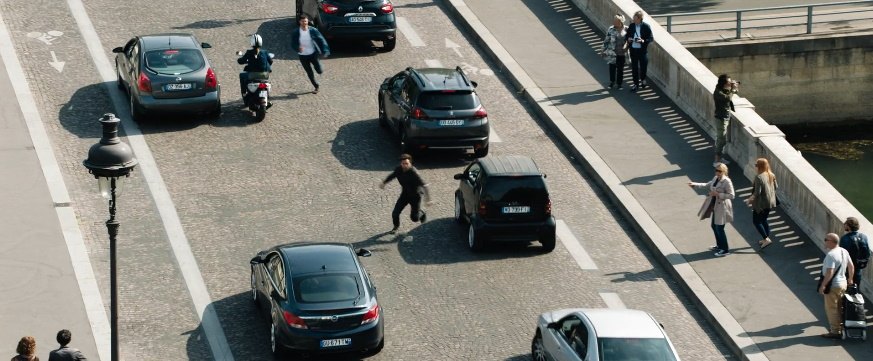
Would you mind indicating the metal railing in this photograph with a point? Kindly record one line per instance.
(856, 12)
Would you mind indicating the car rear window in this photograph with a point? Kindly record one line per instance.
(326, 288)
(516, 188)
(632, 349)
(174, 61)
(448, 100)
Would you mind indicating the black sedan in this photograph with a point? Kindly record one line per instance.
(319, 299)
(353, 19)
(167, 73)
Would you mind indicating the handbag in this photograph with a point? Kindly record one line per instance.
(828, 287)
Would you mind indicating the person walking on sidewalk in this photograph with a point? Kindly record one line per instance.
(858, 246)
(638, 37)
(65, 353)
(718, 206)
(614, 50)
(412, 188)
(309, 44)
(762, 200)
(26, 350)
(722, 96)
(836, 265)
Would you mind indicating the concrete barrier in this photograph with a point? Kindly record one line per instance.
(806, 195)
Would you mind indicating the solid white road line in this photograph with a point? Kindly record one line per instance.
(94, 307)
(167, 210)
(612, 300)
(433, 63)
(408, 32)
(574, 247)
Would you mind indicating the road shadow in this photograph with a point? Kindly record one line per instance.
(214, 24)
(648, 275)
(80, 115)
(247, 331)
(523, 357)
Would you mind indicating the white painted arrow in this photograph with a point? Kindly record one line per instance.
(58, 65)
(452, 45)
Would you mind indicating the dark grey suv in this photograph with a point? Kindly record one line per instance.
(434, 108)
(505, 199)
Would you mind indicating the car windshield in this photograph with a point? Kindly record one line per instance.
(518, 188)
(174, 61)
(448, 100)
(635, 349)
(332, 287)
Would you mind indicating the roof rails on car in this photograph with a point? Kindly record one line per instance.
(463, 75)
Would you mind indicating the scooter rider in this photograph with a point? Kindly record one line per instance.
(256, 60)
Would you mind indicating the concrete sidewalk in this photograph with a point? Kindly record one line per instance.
(643, 150)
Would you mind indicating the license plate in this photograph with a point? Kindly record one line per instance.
(262, 94)
(452, 122)
(336, 342)
(360, 19)
(180, 86)
(518, 209)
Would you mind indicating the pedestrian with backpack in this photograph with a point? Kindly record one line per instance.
(858, 246)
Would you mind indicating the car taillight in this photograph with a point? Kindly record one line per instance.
(387, 8)
(262, 86)
(417, 113)
(144, 83)
(549, 207)
(211, 79)
(372, 315)
(482, 208)
(328, 8)
(480, 113)
(294, 321)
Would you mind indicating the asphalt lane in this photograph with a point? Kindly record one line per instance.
(310, 172)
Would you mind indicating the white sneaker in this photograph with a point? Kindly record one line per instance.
(721, 253)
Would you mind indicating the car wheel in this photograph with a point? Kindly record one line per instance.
(254, 288)
(383, 120)
(537, 351)
(474, 239)
(548, 242)
(136, 113)
(215, 113)
(278, 350)
(377, 349)
(118, 82)
(389, 44)
(459, 209)
(260, 113)
(481, 152)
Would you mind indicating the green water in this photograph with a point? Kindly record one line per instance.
(848, 166)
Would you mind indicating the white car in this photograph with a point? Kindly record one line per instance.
(600, 335)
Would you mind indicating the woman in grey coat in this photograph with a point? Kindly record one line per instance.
(718, 206)
(762, 200)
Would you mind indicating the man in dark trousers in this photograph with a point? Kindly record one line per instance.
(412, 187)
(858, 246)
(65, 353)
(639, 36)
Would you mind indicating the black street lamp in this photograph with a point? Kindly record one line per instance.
(110, 161)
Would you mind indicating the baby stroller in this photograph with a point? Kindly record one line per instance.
(854, 317)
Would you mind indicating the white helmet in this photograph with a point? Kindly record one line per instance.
(256, 41)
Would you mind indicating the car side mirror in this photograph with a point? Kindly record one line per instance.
(118, 50)
(205, 45)
(363, 252)
(545, 175)
(275, 294)
(256, 260)
(475, 84)
(459, 176)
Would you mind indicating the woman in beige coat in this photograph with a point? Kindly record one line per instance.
(718, 206)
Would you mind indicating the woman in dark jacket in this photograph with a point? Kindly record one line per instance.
(762, 200)
(724, 91)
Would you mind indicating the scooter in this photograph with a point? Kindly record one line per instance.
(257, 96)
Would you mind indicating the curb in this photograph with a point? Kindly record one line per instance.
(728, 328)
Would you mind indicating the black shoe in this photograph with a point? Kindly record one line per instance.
(634, 88)
(644, 84)
(315, 91)
(423, 217)
(269, 104)
(610, 85)
(393, 230)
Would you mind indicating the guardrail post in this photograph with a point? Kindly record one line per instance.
(809, 19)
(739, 24)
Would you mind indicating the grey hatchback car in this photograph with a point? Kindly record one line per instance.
(434, 108)
(167, 73)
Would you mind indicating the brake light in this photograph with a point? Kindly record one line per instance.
(262, 86)
(211, 79)
(482, 208)
(480, 113)
(294, 321)
(328, 8)
(548, 207)
(387, 8)
(418, 113)
(372, 315)
(144, 83)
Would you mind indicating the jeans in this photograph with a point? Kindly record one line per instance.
(639, 64)
(833, 309)
(721, 129)
(243, 81)
(311, 61)
(616, 71)
(720, 236)
(413, 200)
(759, 219)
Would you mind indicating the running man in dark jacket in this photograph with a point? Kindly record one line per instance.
(412, 188)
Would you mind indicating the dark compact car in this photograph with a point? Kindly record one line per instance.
(434, 108)
(505, 199)
(319, 299)
(353, 19)
(167, 73)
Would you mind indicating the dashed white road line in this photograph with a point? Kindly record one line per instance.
(408, 32)
(612, 300)
(433, 63)
(93, 302)
(493, 137)
(148, 167)
(574, 247)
